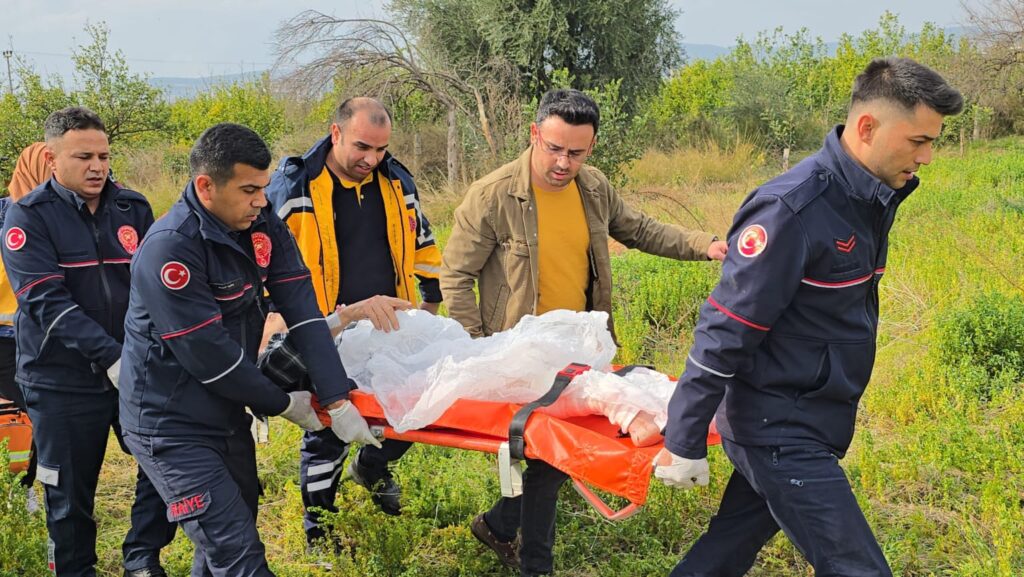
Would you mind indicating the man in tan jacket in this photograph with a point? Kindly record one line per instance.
(533, 237)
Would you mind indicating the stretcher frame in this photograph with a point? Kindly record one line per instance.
(491, 435)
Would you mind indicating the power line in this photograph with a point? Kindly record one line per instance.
(150, 60)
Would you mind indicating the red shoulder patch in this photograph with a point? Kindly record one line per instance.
(175, 275)
(15, 238)
(261, 247)
(752, 241)
(129, 238)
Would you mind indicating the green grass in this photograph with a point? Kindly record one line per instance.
(937, 463)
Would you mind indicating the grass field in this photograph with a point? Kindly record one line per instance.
(937, 463)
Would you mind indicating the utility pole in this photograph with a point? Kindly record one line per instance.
(10, 81)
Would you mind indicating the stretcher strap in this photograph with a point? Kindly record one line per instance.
(517, 447)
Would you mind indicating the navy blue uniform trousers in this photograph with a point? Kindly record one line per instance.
(212, 490)
(321, 459)
(71, 431)
(532, 515)
(799, 489)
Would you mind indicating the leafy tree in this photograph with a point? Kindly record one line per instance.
(249, 103)
(128, 105)
(595, 41)
(22, 114)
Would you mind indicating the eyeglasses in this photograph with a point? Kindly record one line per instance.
(573, 156)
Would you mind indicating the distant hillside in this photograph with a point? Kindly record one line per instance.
(713, 51)
(178, 87)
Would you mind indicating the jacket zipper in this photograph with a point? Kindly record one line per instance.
(103, 273)
(529, 252)
(400, 199)
(872, 293)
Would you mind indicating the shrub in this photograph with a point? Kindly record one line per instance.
(984, 342)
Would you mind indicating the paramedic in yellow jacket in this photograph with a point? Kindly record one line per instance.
(355, 214)
(30, 171)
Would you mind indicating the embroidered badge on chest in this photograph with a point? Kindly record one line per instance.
(261, 247)
(175, 275)
(15, 238)
(753, 240)
(412, 224)
(846, 246)
(128, 238)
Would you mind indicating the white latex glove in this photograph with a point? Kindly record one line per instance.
(680, 472)
(349, 425)
(114, 372)
(301, 413)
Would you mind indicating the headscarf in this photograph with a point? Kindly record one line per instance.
(30, 171)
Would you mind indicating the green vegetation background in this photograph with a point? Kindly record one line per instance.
(938, 458)
(937, 461)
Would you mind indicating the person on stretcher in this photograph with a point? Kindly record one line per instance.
(417, 372)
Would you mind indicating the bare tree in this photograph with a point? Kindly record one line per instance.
(999, 26)
(376, 56)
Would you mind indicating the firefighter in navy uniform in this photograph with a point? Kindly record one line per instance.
(786, 342)
(67, 249)
(194, 322)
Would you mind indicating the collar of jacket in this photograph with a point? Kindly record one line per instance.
(521, 188)
(72, 198)
(211, 227)
(316, 157)
(858, 180)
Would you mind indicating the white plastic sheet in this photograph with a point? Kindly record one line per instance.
(420, 370)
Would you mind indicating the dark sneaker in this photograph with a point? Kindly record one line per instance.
(147, 572)
(384, 492)
(507, 551)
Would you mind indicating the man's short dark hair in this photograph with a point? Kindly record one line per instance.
(71, 118)
(907, 83)
(379, 114)
(222, 146)
(570, 105)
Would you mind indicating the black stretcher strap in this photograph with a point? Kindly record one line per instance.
(516, 444)
(630, 368)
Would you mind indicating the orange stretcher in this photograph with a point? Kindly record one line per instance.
(17, 430)
(589, 449)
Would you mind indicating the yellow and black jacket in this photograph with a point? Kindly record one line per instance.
(301, 191)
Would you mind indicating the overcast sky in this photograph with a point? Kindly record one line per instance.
(208, 37)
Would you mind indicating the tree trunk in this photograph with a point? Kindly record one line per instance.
(976, 134)
(485, 125)
(453, 146)
(417, 151)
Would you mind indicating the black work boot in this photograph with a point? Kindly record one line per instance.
(384, 492)
(507, 551)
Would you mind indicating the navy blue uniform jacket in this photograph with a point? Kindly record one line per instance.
(195, 318)
(785, 344)
(69, 270)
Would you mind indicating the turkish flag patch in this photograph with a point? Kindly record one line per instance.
(128, 238)
(846, 246)
(188, 507)
(753, 240)
(261, 248)
(175, 275)
(15, 238)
